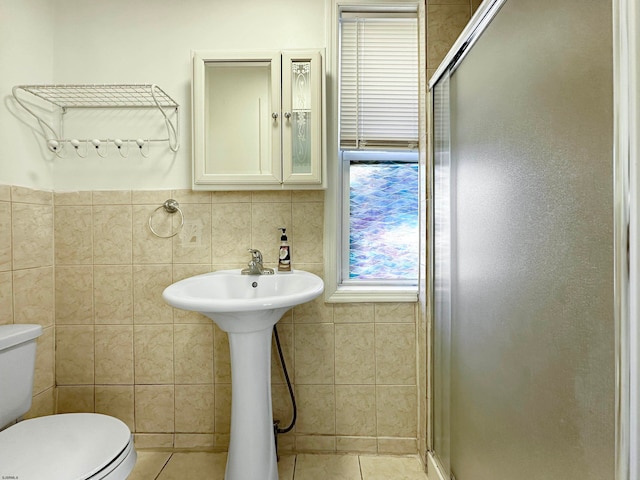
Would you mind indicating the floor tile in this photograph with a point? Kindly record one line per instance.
(396, 468)
(149, 465)
(195, 466)
(327, 467)
(286, 466)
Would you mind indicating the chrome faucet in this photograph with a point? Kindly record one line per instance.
(255, 266)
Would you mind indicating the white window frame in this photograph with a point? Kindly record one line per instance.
(335, 290)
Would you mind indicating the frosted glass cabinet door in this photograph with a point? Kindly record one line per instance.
(302, 117)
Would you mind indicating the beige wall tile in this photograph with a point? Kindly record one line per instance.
(357, 444)
(74, 295)
(154, 408)
(222, 406)
(154, 440)
(111, 197)
(316, 409)
(193, 353)
(314, 353)
(444, 24)
(353, 312)
(190, 196)
(113, 294)
(266, 196)
(75, 399)
(149, 281)
(299, 196)
(181, 271)
(356, 410)
(397, 446)
(75, 355)
(265, 220)
(475, 4)
(286, 466)
(45, 362)
(395, 354)
(27, 195)
(194, 441)
(5, 237)
(308, 226)
(230, 197)
(73, 234)
(194, 408)
(5, 193)
(221, 356)
(285, 335)
(396, 411)
(193, 243)
(153, 353)
(231, 233)
(355, 354)
(6, 298)
(150, 197)
(281, 405)
(315, 311)
(73, 198)
(32, 235)
(112, 234)
(148, 248)
(33, 297)
(395, 312)
(116, 401)
(315, 443)
(114, 354)
(43, 404)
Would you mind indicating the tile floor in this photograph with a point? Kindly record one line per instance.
(210, 466)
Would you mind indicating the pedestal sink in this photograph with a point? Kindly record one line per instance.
(247, 307)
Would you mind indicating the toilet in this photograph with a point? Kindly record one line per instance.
(73, 446)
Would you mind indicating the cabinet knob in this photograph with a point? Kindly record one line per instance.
(287, 115)
(274, 116)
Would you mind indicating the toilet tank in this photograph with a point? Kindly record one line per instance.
(17, 365)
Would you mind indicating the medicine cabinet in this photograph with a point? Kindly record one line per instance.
(258, 120)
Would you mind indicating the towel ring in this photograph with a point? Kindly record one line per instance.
(170, 206)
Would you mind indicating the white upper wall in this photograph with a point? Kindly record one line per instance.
(26, 56)
(138, 41)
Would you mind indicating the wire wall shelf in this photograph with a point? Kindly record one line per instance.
(123, 96)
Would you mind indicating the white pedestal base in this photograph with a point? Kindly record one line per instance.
(252, 449)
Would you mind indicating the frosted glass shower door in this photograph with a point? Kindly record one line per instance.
(530, 363)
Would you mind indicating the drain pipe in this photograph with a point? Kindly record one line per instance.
(276, 423)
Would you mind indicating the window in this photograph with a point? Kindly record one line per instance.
(374, 206)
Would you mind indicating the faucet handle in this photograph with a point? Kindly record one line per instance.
(256, 254)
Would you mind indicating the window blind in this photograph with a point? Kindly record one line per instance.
(378, 82)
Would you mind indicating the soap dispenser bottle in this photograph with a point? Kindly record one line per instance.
(284, 255)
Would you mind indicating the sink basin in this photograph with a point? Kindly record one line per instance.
(230, 291)
(247, 307)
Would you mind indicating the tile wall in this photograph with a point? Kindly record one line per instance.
(27, 279)
(122, 351)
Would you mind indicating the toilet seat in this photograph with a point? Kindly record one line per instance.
(73, 446)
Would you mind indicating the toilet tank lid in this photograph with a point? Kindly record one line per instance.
(12, 335)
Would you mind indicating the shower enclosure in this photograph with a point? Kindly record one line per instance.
(524, 356)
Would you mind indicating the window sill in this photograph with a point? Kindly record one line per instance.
(356, 294)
